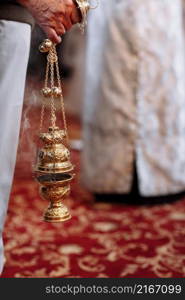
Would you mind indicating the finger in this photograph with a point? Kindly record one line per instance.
(52, 34)
(66, 22)
(60, 29)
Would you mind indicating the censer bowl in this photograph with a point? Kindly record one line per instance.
(54, 179)
(54, 187)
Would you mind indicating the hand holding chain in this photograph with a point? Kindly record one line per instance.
(54, 170)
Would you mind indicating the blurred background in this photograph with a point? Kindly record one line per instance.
(111, 233)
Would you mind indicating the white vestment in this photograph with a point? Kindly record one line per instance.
(14, 54)
(135, 97)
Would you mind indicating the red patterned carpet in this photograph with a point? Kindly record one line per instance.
(101, 240)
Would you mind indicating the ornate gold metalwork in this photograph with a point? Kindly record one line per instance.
(54, 187)
(54, 157)
(84, 7)
(53, 168)
(46, 46)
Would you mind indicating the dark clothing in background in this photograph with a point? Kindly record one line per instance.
(11, 10)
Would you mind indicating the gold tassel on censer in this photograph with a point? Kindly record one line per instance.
(54, 170)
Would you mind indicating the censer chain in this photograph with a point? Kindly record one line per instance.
(62, 100)
(52, 68)
(53, 116)
(42, 116)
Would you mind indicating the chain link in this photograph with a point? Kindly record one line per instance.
(61, 100)
(47, 75)
(52, 69)
(53, 109)
(42, 116)
(43, 100)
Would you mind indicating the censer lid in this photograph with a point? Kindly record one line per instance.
(53, 136)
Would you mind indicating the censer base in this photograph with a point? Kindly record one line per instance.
(55, 187)
(57, 214)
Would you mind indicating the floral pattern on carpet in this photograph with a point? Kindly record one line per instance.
(101, 239)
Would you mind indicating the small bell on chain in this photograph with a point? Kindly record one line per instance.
(53, 169)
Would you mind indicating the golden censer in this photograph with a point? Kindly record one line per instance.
(54, 170)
